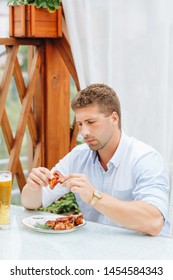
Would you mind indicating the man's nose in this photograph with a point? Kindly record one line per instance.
(84, 131)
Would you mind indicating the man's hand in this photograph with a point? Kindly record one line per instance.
(39, 177)
(79, 183)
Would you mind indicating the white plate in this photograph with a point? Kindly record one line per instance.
(30, 222)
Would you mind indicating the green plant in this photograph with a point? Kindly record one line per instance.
(51, 5)
(64, 205)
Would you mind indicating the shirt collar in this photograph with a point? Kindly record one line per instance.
(116, 158)
(94, 156)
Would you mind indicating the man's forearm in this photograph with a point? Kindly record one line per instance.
(31, 198)
(136, 215)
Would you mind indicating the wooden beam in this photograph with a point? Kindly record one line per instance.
(64, 49)
(57, 106)
(19, 42)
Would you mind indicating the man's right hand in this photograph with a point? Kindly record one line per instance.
(39, 177)
(31, 196)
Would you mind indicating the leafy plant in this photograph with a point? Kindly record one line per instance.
(65, 205)
(51, 5)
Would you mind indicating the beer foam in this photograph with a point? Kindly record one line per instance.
(5, 177)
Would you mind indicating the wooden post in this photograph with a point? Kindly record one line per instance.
(56, 106)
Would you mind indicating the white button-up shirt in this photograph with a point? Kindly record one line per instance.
(135, 172)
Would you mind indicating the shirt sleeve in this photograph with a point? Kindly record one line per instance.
(151, 182)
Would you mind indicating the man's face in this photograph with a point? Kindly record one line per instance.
(97, 128)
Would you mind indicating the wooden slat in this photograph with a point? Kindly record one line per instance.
(20, 179)
(73, 141)
(25, 112)
(6, 78)
(21, 42)
(59, 22)
(32, 20)
(37, 156)
(11, 25)
(64, 49)
(21, 91)
(38, 107)
(39, 102)
(8, 136)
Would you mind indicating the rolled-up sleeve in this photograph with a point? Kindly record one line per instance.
(152, 183)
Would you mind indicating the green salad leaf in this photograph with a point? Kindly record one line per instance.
(38, 225)
(65, 205)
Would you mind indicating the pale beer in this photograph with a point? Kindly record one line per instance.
(5, 198)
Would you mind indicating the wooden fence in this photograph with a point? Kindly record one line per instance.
(45, 102)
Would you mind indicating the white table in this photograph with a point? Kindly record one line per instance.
(91, 242)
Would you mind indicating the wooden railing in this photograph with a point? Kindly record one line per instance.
(45, 102)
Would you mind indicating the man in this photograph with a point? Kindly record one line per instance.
(117, 179)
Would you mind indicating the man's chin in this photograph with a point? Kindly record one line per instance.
(93, 147)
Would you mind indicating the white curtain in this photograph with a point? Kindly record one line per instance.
(128, 45)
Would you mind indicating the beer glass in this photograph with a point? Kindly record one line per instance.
(5, 198)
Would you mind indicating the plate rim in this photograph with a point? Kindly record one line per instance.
(31, 227)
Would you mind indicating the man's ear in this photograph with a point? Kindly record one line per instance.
(115, 117)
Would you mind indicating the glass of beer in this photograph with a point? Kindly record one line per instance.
(5, 198)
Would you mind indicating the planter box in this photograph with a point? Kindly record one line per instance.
(28, 21)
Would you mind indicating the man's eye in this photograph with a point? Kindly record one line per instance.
(90, 122)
